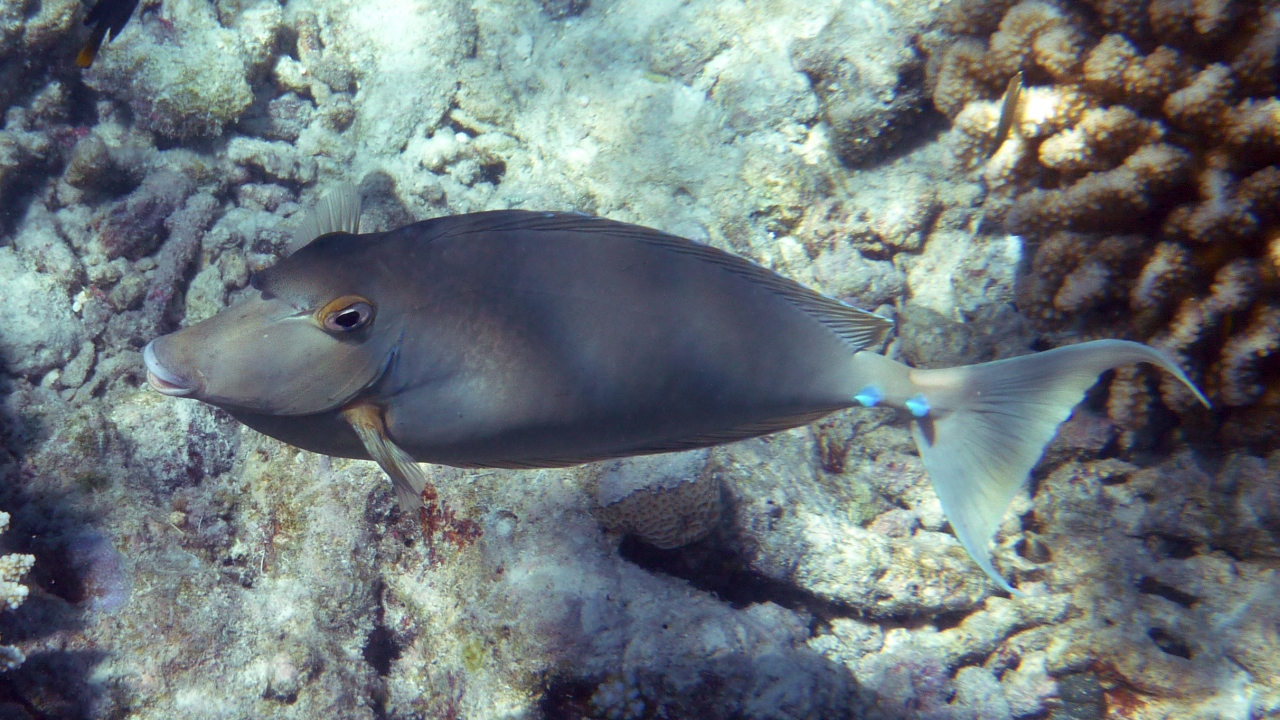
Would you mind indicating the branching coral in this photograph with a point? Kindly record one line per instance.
(1144, 168)
(186, 228)
(12, 593)
(133, 227)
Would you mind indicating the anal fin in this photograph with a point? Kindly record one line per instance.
(407, 477)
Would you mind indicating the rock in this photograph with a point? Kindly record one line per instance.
(558, 9)
(183, 75)
(867, 75)
(668, 501)
(930, 340)
(39, 332)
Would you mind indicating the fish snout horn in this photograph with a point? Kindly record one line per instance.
(161, 378)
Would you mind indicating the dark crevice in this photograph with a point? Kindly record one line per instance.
(380, 650)
(1169, 643)
(197, 144)
(1034, 549)
(492, 172)
(256, 119)
(1081, 698)
(1116, 478)
(946, 621)
(82, 104)
(17, 193)
(1173, 546)
(287, 43)
(1152, 586)
(10, 696)
(456, 125)
(917, 129)
(1042, 343)
(1236, 553)
(561, 9)
(56, 574)
(568, 699)
(1032, 523)
(714, 565)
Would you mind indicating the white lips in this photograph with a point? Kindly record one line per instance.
(161, 379)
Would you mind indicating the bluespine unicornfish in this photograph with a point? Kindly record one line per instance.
(517, 339)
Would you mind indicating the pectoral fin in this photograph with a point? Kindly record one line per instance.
(406, 475)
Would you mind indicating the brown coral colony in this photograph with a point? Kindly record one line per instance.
(1143, 171)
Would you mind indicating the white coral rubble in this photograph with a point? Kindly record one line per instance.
(12, 593)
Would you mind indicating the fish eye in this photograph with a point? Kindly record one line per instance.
(346, 314)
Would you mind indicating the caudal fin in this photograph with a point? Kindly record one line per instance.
(981, 428)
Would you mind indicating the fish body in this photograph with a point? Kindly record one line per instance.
(524, 339)
(1008, 110)
(520, 339)
(105, 16)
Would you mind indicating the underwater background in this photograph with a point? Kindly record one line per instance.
(164, 562)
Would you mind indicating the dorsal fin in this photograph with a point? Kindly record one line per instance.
(338, 210)
(859, 329)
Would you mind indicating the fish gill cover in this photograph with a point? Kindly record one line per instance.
(185, 567)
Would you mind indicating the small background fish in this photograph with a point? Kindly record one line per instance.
(108, 18)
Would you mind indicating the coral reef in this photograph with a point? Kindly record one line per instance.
(1185, 631)
(21, 151)
(187, 567)
(1145, 169)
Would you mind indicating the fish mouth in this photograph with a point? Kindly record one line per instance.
(162, 379)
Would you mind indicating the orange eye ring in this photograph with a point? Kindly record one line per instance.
(346, 314)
